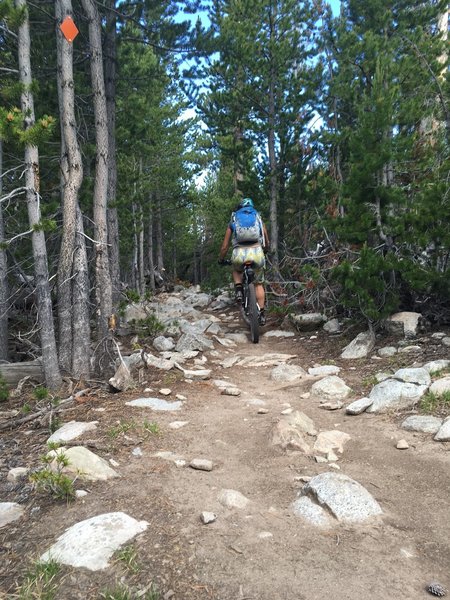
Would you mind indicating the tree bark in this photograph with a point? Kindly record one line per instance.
(81, 330)
(3, 276)
(140, 223)
(110, 90)
(44, 302)
(159, 237)
(103, 289)
(151, 262)
(71, 281)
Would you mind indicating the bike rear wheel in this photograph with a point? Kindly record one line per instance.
(253, 314)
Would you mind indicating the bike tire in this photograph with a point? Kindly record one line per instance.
(253, 314)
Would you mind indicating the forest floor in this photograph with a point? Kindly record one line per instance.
(261, 552)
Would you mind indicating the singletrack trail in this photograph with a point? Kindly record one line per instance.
(262, 551)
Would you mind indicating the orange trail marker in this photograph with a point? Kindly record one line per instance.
(69, 29)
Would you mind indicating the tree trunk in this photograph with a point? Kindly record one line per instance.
(140, 222)
(3, 276)
(69, 283)
(103, 290)
(151, 262)
(81, 331)
(110, 90)
(44, 302)
(135, 259)
(159, 237)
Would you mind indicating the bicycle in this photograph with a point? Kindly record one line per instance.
(249, 308)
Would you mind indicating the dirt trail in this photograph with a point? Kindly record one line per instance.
(262, 552)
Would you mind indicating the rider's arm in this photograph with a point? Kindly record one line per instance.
(225, 244)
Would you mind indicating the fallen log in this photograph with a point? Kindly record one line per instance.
(12, 373)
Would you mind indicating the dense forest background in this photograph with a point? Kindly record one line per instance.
(337, 127)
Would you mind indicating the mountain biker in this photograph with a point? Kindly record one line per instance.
(249, 246)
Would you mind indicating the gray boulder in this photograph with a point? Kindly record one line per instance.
(436, 365)
(440, 386)
(403, 323)
(423, 423)
(332, 326)
(360, 346)
(194, 341)
(358, 406)
(307, 321)
(392, 393)
(347, 500)
(413, 375)
(330, 388)
(443, 435)
(285, 372)
(9, 512)
(163, 344)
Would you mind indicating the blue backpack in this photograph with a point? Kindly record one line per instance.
(247, 227)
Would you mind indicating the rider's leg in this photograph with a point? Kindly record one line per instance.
(238, 292)
(260, 295)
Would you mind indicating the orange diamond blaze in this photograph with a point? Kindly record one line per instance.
(69, 29)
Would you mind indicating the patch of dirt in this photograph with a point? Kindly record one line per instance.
(262, 552)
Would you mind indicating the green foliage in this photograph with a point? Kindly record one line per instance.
(121, 428)
(151, 427)
(50, 479)
(128, 556)
(150, 326)
(366, 284)
(40, 581)
(434, 403)
(41, 393)
(4, 390)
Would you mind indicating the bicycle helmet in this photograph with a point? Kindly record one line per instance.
(246, 202)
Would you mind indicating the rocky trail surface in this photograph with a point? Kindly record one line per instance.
(235, 471)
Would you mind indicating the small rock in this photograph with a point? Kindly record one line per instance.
(403, 323)
(443, 435)
(165, 391)
(321, 459)
(201, 464)
(423, 423)
(303, 478)
(360, 346)
(287, 411)
(287, 373)
(330, 388)
(262, 411)
(230, 391)
(279, 334)
(436, 365)
(265, 535)
(178, 424)
(232, 499)
(440, 386)
(331, 440)
(402, 445)
(137, 452)
(446, 341)
(114, 463)
(181, 397)
(80, 493)
(387, 351)
(331, 456)
(163, 344)
(410, 349)
(71, 431)
(16, 474)
(332, 326)
(9, 512)
(358, 406)
(208, 517)
(332, 405)
(436, 589)
(155, 404)
(324, 370)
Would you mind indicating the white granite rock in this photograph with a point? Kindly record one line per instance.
(91, 543)
(332, 326)
(84, 464)
(360, 346)
(155, 404)
(423, 423)
(330, 388)
(440, 386)
(358, 406)
(307, 321)
(331, 440)
(345, 498)
(387, 351)
(163, 344)
(287, 373)
(201, 464)
(324, 371)
(413, 375)
(443, 435)
(311, 512)
(403, 323)
(436, 365)
(289, 437)
(16, 474)
(392, 393)
(279, 333)
(232, 499)
(9, 512)
(72, 430)
(207, 517)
